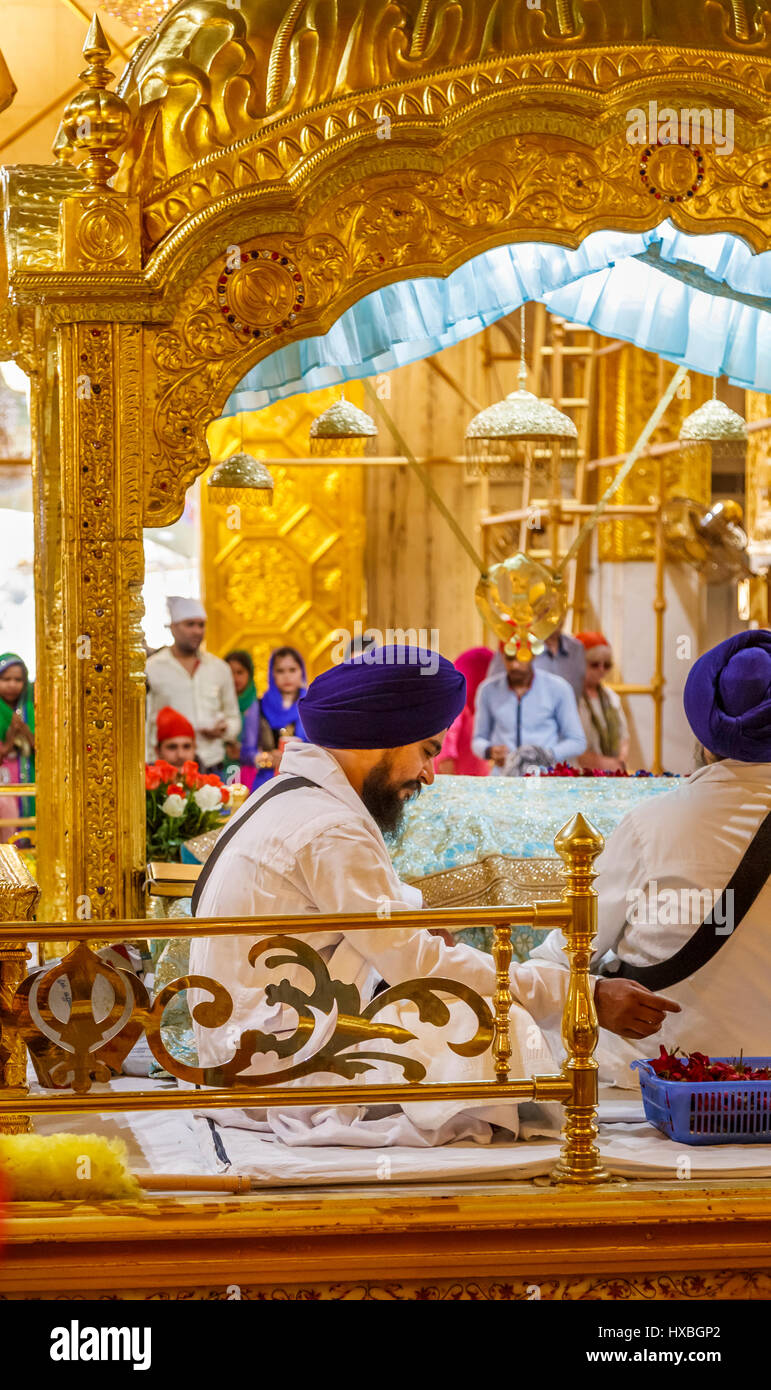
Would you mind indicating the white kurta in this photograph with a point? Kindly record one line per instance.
(319, 850)
(203, 697)
(666, 851)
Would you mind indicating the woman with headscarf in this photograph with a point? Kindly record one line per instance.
(274, 716)
(17, 736)
(287, 683)
(607, 734)
(456, 755)
(242, 666)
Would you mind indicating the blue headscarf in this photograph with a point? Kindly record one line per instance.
(727, 698)
(385, 698)
(272, 706)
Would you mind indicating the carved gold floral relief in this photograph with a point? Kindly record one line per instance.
(196, 89)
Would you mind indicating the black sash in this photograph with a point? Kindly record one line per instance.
(747, 880)
(286, 784)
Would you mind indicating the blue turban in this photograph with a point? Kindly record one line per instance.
(727, 698)
(384, 698)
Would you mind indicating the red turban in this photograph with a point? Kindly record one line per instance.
(172, 724)
(592, 639)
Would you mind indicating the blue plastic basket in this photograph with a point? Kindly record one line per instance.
(709, 1112)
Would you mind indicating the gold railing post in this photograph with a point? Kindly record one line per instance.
(18, 896)
(578, 844)
(502, 953)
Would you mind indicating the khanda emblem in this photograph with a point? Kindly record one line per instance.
(57, 1012)
(521, 600)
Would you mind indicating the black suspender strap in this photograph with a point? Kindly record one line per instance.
(286, 784)
(749, 877)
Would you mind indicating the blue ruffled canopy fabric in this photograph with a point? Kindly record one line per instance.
(699, 300)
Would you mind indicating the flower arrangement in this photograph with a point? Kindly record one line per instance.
(696, 1066)
(566, 770)
(181, 802)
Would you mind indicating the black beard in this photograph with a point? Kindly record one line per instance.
(382, 798)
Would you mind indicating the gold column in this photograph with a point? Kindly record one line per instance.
(88, 586)
(757, 516)
(502, 954)
(578, 844)
(18, 896)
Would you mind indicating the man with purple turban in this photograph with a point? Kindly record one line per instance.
(313, 842)
(684, 888)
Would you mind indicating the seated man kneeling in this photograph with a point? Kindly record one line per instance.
(313, 842)
(684, 887)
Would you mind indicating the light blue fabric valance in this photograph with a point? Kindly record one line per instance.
(699, 300)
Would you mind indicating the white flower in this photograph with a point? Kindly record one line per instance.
(207, 798)
(175, 805)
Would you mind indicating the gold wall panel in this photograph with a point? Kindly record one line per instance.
(757, 515)
(292, 572)
(629, 384)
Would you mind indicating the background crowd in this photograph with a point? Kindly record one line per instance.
(202, 708)
(519, 716)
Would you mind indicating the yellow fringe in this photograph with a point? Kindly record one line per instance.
(66, 1167)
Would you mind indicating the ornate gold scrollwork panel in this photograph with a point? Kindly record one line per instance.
(76, 1037)
(389, 221)
(306, 77)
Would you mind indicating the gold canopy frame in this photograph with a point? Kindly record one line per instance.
(277, 166)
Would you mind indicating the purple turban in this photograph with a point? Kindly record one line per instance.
(727, 698)
(384, 698)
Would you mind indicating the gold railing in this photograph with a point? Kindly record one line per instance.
(69, 1056)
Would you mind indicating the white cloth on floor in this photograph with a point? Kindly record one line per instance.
(319, 850)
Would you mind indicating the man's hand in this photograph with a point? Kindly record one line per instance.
(629, 1009)
(216, 730)
(499, 753)
(447, 936)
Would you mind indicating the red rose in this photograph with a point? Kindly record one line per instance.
(175, 789)
(190, 774)
(168, 773)
(225, 794)
(152, 779)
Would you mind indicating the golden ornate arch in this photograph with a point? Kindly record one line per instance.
(281, 161)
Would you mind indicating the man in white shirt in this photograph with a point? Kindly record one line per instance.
(376, 724)
(197, 684)
(666, 865)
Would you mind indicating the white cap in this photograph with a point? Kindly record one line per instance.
(182, 609)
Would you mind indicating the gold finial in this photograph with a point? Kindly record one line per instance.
(96, 120)
(578, 838)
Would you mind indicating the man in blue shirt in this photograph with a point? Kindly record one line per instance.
(526, 717)
(564, 656)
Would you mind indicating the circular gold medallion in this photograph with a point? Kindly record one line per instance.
(672, 173)
(260, 292)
